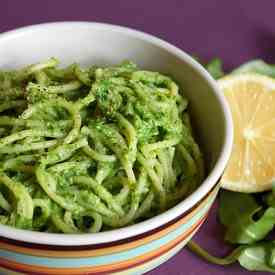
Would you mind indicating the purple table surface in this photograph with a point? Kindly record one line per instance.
(235, 31)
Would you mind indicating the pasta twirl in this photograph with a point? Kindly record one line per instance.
(88, 150)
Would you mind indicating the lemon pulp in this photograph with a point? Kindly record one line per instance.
(251, 98)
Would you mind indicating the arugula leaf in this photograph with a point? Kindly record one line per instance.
(256, 66)
(236, 213)
(214, 67)
(269, 197)
(258, 257)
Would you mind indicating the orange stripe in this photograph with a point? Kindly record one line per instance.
(104, 251)
(100, 269)
(159, 252)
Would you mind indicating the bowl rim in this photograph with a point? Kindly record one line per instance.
(209, 182)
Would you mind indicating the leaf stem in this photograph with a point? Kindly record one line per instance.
(229, 259)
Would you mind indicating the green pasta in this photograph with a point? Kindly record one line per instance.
(92, 149)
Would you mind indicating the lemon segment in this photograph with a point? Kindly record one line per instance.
(251, 98)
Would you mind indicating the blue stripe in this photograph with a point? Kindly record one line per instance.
(108, 259)
(156, 262)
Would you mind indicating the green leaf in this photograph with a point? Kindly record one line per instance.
(256, 66)
(236, 214)
(214, 67)
(269, 199)
(259, 257)
(232, 204)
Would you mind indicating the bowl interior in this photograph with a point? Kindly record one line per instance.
(95, 44)
(92, 43)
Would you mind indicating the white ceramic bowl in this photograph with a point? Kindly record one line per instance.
(94, 43)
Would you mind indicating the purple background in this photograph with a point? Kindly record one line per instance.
(235, 31)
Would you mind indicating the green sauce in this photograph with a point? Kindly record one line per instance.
(86, 150)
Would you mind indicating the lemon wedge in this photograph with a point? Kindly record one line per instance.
(251, 98)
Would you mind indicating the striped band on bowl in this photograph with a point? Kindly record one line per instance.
(117, 258)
